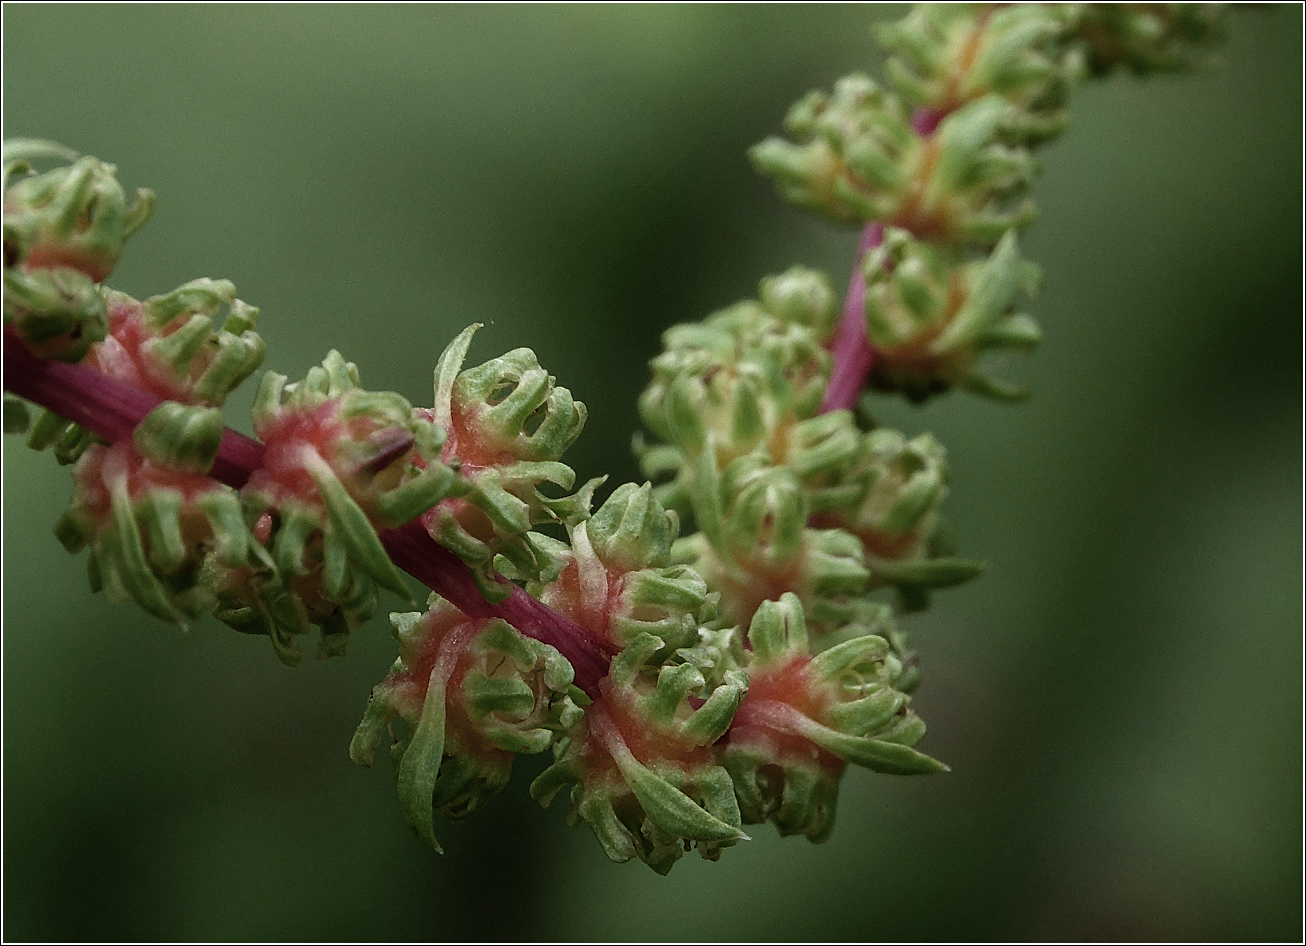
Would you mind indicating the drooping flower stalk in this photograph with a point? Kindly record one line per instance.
(687, 684)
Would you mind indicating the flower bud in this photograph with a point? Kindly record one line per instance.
(803, 296)
(339, 463)
(644, 777)
(934, 319)
(74, 217)
(755, 544)
(58, 311)
(739, 380)
(858, 160)
(179, 346)
(617, 580)
(951, 54)
(1150, 37)
(168, 345)
(853, 154)
(890, 500)
(472, 693)
(508, 426)
(157, 527)
(804, 717)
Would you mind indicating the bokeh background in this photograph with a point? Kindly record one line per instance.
(1119, 697)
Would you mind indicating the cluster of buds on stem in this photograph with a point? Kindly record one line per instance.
(945, 163)
(698, 655)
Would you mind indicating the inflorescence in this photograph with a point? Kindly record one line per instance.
(704, 651)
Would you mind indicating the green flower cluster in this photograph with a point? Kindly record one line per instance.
(507, 425)
(298, 543)
(471, 694)
(686, 685)
(945, 162)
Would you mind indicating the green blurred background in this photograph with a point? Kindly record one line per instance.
(1119, 697)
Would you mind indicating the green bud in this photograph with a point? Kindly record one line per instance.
(951, 54)
(472, 693)
(57, 311)
(796, 792)
(852, 154)
(1150, 38)
(371, 461)
(974, 178)
(857, 159)
(509, 425)
(75, 217)
(181, 436)
(742, 380)
(804, 717)
(821, 448)
(756, 543)
(508, 404)
(617, 580)
(889, 500)
(159, 532)
(631, 530)
(803, 296)
(778, 631)
(644, 780)
(183, 342)
(934, 319)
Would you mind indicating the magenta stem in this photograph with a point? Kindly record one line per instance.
(412, 549)
(853, 354)
(925, 120)
(111, 409)
(107, 407)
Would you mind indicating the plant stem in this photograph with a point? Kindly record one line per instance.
(111, 409)
(853, 354)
